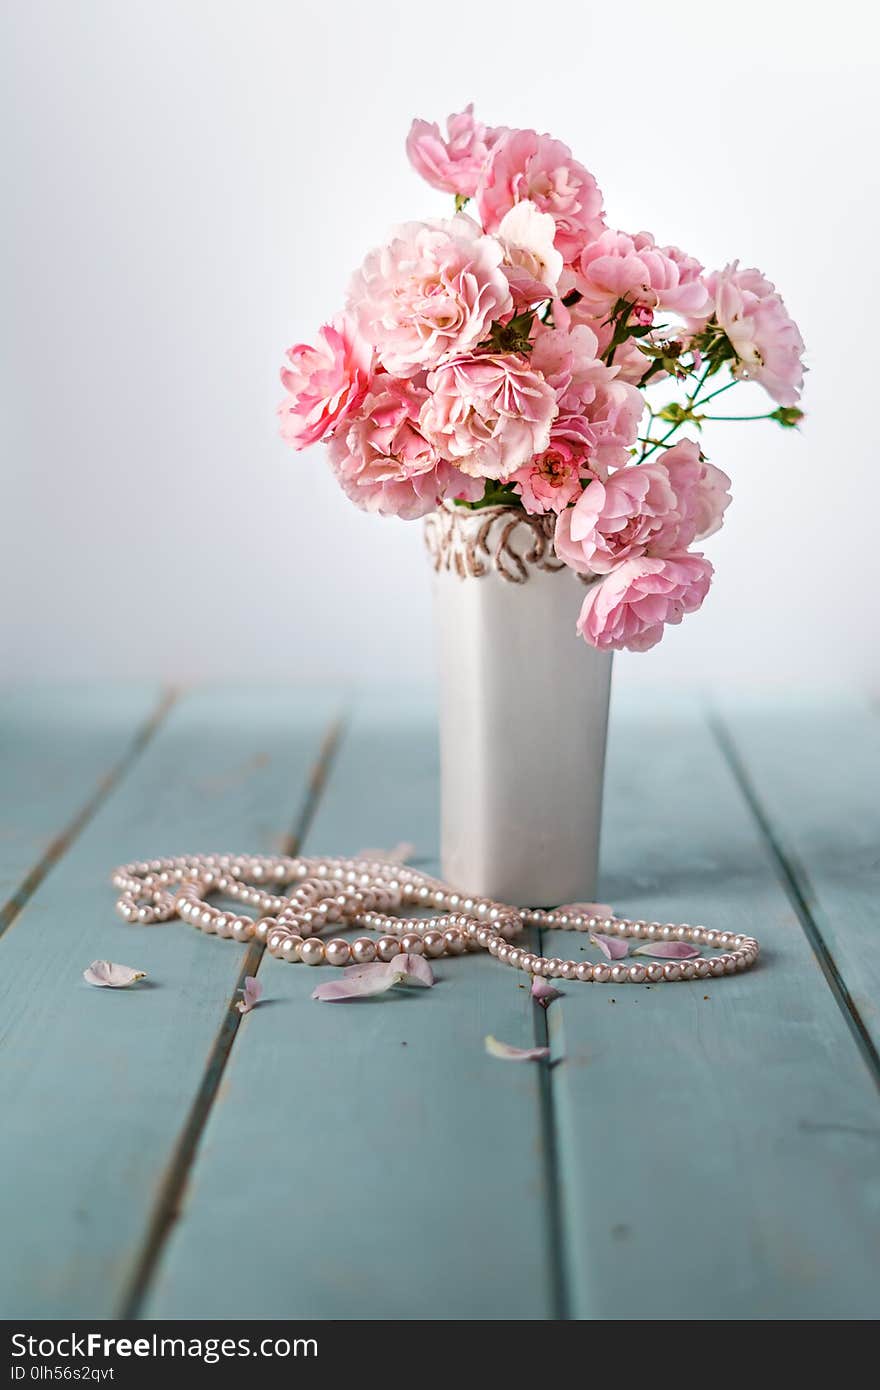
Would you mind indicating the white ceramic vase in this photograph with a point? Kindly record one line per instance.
(523, 711)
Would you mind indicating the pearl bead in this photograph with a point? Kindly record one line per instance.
(569, 970)
(601, 973)
(290, 948)
(654, 972)
(514, 956)
(387, 947)
(455, 944)
(312, 951)
(619, 974)
(527, 962)
(263, 927)
(242, 929)
(584, 971)
(363, 950)
(337, 952)
(637, 974)
(412, 944)
(701, 969)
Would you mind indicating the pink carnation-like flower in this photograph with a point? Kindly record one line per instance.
(430, 294)
(532, 263)
(553, 479)
(524, 165)
(324, 384)
(385, 464)
(488, 414)
(630, 607)
(765, 338)
(648, 509)
(630, 363)
(616, 266)
(453, 165)
(587, 390)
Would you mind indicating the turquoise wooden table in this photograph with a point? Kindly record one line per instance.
(709, 1150)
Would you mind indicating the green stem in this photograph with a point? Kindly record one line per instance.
(657, 444)
(768, 416)
(713, 394)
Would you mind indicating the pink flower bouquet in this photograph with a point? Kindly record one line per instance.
(513, 356)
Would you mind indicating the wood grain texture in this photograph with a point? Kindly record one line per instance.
(60, 750)
(369, 1159)
(96, 1085)
(718, 1155)
(812, 770)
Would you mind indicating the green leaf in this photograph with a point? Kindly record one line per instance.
(495, 495)
(674, 413)
(512, 336)
(788, 416)
(461, 201)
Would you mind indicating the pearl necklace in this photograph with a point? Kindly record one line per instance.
(361, 893)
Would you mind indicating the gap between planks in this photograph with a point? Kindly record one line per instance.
(71, 832)
(793, 882)
(168, 1202)
(559, 1293)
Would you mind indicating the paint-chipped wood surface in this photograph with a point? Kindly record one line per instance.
(693, 1152)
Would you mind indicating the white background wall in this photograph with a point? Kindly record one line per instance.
(188, 184)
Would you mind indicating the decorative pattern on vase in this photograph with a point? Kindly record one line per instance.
(503, 539)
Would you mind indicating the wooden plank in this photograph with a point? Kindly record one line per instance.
(61, 750)
(97, 1087)
(812, 771)
(370, 1160)
(718, 1155)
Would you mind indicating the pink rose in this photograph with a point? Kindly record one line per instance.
(631, 605)
(430, 294)
(453, 165)
(616, 266)
(630, 363)
(765, 338)
(385, 464)
(489, 414)
(532, 263)
(553, 479)
(586, 389)
(647, 509)
(324, 384)
(524, 165)
(701, 491)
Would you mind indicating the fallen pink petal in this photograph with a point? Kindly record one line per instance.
(411, 970)
(252, 992)
(668, 950)
(543, 992)
(369, 980)
(106, 974)
(361, 981)
(612, 947)
(506, 1052)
